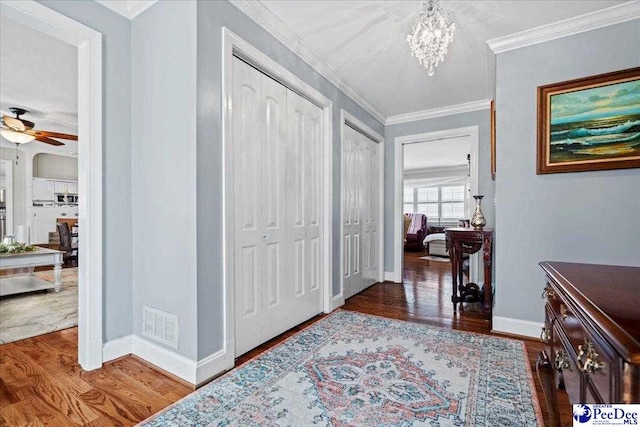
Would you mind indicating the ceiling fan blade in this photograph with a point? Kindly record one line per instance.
(48, 140)
(44, 133)
(13, 123)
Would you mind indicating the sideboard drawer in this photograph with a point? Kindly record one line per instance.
(598, 370)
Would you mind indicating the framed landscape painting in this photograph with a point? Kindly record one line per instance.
(589, 124)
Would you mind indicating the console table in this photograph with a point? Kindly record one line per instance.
(591, 334)
(462, 241)
(28, 283)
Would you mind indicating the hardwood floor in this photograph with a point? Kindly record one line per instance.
(41, 383)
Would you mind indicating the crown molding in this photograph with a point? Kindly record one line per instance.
(466, 107)
(259, 13)
(129, 8)
(567, 27)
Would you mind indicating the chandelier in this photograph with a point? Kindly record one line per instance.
(430, 36)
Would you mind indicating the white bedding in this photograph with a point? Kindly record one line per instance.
(435, 236)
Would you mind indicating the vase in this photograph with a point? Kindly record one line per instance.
(477, 220)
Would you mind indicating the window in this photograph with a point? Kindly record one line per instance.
(443, 203)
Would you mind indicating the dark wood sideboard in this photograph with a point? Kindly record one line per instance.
(591, 334)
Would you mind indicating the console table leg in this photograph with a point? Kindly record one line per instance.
(454, 274)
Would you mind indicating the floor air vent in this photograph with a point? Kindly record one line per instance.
(160, 326)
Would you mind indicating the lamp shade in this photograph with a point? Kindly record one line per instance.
(16, 137)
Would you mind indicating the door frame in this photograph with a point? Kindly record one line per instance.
(399, 142)
(8, 165)
(232, 44)
(89, 44)
(347, 118)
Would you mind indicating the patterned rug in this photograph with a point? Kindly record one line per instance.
(352, 369)
(35, 313)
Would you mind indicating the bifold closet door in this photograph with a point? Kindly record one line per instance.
(304, 206)
(352, 211)
(277, 211)
(259, 182)
(361, 211)
(370, 212)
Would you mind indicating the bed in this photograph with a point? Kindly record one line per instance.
(437, 244)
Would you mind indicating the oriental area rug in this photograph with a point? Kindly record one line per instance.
(352, 369)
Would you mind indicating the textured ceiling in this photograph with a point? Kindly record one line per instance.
(39, 73)
(365, 43)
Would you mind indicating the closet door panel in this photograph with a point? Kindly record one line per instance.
(304, 161)
(248, 247)
(352, 213)
(273, 202)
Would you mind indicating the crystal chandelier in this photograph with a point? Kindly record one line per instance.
(431, 36)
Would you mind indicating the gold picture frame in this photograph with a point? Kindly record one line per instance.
(589, 124)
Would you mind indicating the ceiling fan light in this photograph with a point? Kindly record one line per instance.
(16, 137)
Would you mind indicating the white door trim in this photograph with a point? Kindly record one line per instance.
(351, 120)
(398, 176)
(10, 203)
(233, 44)
(89, 44)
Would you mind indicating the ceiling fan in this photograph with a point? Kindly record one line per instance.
(21, 131)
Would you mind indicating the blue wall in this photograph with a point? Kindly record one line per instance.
(591, 217)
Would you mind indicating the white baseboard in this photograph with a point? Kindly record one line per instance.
(117, 348)
(390, 276)
(167, 360)
(193, 372)
(214, 365)
(524, 328)
(336, 301)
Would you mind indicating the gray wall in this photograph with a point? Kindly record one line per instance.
(212, 16)
(164, 166)
(590, 217)
(116, 110)
(486, 185)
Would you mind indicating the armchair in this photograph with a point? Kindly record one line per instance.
(416, 233)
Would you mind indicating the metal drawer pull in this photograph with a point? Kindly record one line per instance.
(562, 360)
(63, 214)
(545, 335)
(563, 311)
(548, 293)
(591, 363)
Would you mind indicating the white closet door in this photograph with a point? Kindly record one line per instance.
(352, 237)
(274, 213)
(258, 126)
(371, 211)
(304, 206)
(360, 211)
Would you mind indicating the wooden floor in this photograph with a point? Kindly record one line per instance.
(41, 383)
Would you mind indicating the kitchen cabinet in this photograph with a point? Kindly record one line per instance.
(65, 187)
(45, 218)
(42, 189)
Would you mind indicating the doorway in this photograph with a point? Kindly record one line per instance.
(436, 178)
(88, 43)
